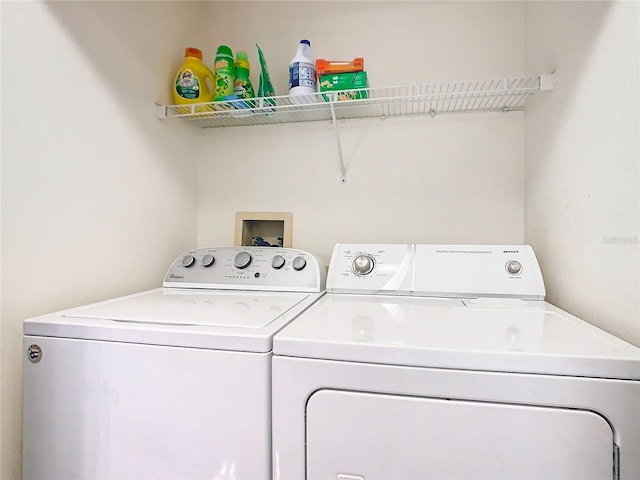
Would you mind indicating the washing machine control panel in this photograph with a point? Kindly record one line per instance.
(466, 271)
(247, 268)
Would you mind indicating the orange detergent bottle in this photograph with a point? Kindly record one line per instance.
(194, 80)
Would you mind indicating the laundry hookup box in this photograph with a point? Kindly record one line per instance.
(350, 85)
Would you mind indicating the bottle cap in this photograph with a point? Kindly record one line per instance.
(304, 40)
(224, 51)
(193, 52)
(241, 60)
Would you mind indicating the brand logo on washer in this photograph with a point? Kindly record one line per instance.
(510, 251)
(35, 353)
(176, 277)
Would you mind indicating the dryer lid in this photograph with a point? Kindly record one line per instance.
(487, 334)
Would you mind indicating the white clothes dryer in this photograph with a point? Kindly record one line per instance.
(445, 362)
(170, 383)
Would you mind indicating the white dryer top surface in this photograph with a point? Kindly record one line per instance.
(487, 334)
(216, 319)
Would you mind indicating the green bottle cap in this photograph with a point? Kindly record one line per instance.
(241, 60)
(224, 50)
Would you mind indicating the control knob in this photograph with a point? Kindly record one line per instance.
(188, 261)
(208, 260)
(299, 263)
(514, 267)
(242, 260)
(362, 264)
(277, 262)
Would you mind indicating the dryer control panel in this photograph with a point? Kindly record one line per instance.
(465, 271)
(247, 268)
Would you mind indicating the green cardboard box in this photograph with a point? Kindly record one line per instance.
(344, 82)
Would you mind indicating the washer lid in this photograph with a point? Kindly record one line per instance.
(194, 307)
(228, 320)
(488, 334)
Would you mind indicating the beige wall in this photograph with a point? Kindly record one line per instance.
(447, 179)
(98, 196)
(582, 160)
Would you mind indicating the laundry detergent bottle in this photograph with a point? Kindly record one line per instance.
(242, 86)
(194, 80)
(302, 75)
(225, 73)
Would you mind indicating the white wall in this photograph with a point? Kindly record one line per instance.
(448, 179)
(582, 165)
(1, 377)
(98, 196)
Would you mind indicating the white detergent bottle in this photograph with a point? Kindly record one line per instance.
(302, 75)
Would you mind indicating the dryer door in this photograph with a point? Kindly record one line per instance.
(353, 436)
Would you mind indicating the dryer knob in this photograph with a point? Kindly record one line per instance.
(362, 265)
(242, 260)
(208, 260)
(277, 262)
(514, 267)
(188, 261)
(299, 263)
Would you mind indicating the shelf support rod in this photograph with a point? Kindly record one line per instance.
(343, 172)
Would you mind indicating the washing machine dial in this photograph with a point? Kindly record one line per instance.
(277, 262)
(299, 263)
(514, 267)
(362, 264)
(188, 261)
(242, 260)
(208, 260)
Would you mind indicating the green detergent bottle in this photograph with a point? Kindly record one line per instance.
(224, 71)
(242, 86)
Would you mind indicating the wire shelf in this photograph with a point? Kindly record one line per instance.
(466, 96)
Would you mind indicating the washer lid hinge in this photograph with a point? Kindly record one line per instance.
(616, 462)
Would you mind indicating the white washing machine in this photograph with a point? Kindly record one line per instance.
(172, 383)
(445, 362)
